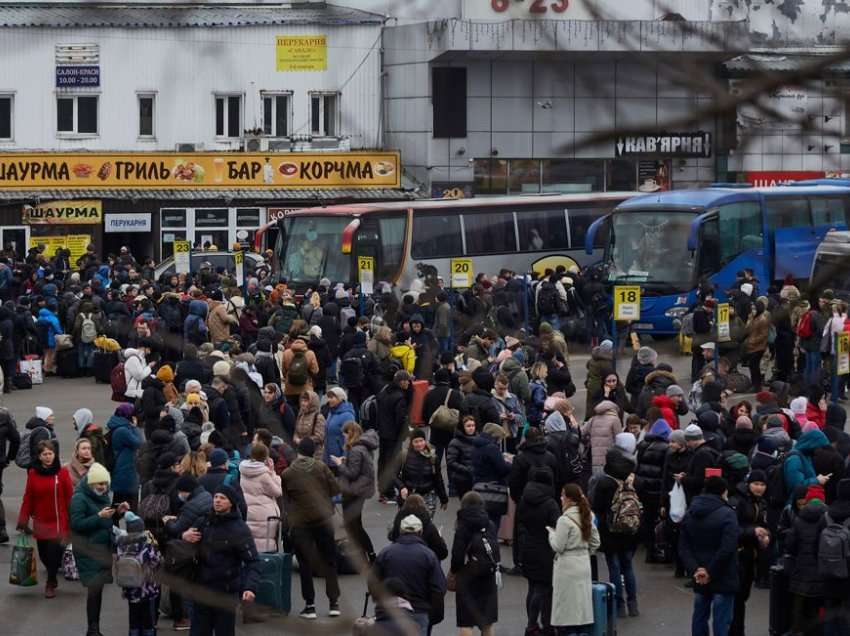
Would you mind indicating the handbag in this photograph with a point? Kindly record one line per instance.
(445, 418)
(494, 495)
(180, 558)
(678, 504)
(451, 582)
(23, 570)
(69, 564)
(63, 341)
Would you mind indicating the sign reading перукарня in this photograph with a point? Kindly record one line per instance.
(690, 144)
(74, 75)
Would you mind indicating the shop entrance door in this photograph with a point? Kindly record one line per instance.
(15, 237)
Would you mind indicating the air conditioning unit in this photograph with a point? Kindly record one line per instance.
(255, 144)
(279, 145)
(185, 147)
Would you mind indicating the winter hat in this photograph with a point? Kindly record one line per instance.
(221, 368)
(216, 295)
(799, 405)
(674, 390)
(693, 432)
(82, 418)
(810, 426)
(338, 393)
(227, 491)
(709, 346)
(206, 348)
(165, 374)
(775, 421)
(134, 523)
(647, 355)
(166, 460)
(677, 436)
(186, 483)
(125, 409)
(494, 430)
(401, 376)
(606, 346)
(218, 457)
(97, 474)
(626, 442)
(767, 445)
(411, 524)
(757, 475)
(815, 493)
(715, 486)
(765, 397)
(315, 331)
(836, 416)
(340, 294)
(325, 282)
(661, 429)
(307, 447)
(193, 399)
(442, 375)
(743, 422)
(43, 412)
(483, 379)
(417, 433)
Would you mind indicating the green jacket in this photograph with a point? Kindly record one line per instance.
(90, 535)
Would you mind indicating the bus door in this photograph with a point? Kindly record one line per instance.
(794, 238)
(367, 243)
(828, 213)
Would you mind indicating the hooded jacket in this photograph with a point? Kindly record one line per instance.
(655, 384)
(533, 455)
(125, 442)
(192, 513)
(617, 467)
(136, 370)
(52, 326)
(651, 455)
(227, 556)
(298, 347)
(459, 462)
(602, 428)
(219, 321)
(92, 535)
(308, 486)
(420, 474)
(334, 439)
(488, 464)
(261, 488)
(709, 538)
(801, 542)
(153, 401)
(195, 327)
(798, 467)
(410, 560)
(356, 474)
(537, 509)
(311, 423)
(393, 413)
(10, 439)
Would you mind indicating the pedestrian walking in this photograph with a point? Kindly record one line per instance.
(356, 478)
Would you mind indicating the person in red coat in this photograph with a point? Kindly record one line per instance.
(47, 497)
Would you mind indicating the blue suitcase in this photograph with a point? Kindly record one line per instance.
(604, 610)
(275, 588)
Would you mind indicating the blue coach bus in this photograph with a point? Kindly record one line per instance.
(670, 241)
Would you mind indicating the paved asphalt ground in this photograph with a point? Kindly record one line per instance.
(664, 603)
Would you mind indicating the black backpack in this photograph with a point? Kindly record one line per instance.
(352, 372)
(777, 491)
(547, 299)
(482, 555)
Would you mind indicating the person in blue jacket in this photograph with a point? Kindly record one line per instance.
(798, 468)
(48, 328)
(341, 411)
(125, 441)
(708, 547)
(194, 327)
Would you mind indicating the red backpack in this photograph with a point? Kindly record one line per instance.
(118, 381)
(804, 327)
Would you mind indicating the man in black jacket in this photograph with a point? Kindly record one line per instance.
(708, 545)
(227, 565)
(480, 403)
(441, 393)
(702, 457)
(392, 425)
(10, 440)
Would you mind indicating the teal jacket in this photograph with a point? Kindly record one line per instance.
(798, 467)
(91, 535)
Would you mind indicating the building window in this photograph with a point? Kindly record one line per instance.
(324, 111)
(228, 115)
(276, 114)
(449, 101)
(76, 115)
(146, 115)
(6, 113)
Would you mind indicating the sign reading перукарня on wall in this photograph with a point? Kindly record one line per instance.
(199, 170)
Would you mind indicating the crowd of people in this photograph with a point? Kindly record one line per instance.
(245, 418)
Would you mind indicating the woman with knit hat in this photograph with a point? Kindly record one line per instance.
(91, 525)
(419, 473)
(165, 374)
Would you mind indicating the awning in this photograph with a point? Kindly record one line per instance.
(752, 64)
(189, 194)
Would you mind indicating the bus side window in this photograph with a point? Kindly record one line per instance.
(740, 226)
(828, 211)
(709, 247)
(392, 230)
(489, 232)
(583, 218)
(541, 229)
(436, 235)
(787, 212)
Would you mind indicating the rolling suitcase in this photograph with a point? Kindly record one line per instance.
(604, 610)
(66, 363)
(780, 602)
(506, 527)
(420, 389)
(102, 365)
(275, 588)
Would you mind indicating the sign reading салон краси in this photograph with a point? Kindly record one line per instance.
(193, 170)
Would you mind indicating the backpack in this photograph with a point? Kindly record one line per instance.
(118, 381)
(734, 466)
(834, 549)
(352, 373)
(299, 373)
(108, 453)
(482, 561)
(445, 418)
(805, 328)
(626, 510)
(196, 335)
(128, 571)
(546, 299)
(113, 328)
(23, 458)
(43, 330)
(88, 330)
(345, 313)
(154, 507)
(369, 412)
(777, 492)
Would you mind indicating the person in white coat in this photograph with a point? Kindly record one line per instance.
(573, 540)
(136, 369)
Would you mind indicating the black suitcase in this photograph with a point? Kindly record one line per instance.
(780, 602)
(102, 365)
(66, 363)
(22, 381)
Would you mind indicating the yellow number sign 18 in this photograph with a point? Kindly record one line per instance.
(626, 302)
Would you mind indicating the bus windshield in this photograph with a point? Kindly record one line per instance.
(313, 249)
(651, 248)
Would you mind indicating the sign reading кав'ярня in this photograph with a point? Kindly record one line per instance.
(194, 170)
